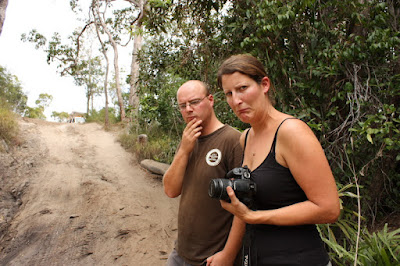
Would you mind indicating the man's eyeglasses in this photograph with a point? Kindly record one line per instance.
(192, 103)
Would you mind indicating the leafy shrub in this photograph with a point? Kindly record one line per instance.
(99, 116)
(349, 241)
(160, 147)
(377, 248)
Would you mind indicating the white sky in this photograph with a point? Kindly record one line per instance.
(29, 65)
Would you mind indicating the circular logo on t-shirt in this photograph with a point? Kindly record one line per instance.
(213, 157)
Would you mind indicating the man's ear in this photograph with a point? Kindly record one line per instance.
(211, 99)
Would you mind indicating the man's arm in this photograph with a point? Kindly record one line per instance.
(173, 177)
(232, 246)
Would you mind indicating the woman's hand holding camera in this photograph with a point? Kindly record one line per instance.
(236, 207)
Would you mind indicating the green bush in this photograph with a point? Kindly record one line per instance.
(99, 116)
(380, 248)
(376, 248)
(159, 147)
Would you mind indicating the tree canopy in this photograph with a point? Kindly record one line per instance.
(11, 92)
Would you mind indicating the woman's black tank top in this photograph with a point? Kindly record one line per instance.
(281, 245)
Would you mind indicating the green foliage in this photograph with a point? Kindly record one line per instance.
(71, 59)
(99, 116)
(60, 116)
(11, 93)
(377, 248)
(44, 100)
(348, 241)
(66, 55)
(158, 147)
(8, 125)
(380, 248)
(35, 112)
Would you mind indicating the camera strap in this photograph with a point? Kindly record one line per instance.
(247, 253)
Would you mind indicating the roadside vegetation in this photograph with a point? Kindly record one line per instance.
(12, 104)
(99, 116)
(159, 147)
(8, 128)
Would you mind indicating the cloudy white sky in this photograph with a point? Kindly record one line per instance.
(29, 65)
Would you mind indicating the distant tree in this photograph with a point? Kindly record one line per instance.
(99, 116)
(60, 116)
(74, 59)
(43, 101)
(100, 21)
(103, 49)
(11, 91)
(89, 76)
(35, 112)
(124, 22)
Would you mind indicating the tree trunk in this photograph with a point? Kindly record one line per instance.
(133, 95)
(117, 83)
(103, 50)
(137, 45)
(106, 116)
(88, 102)
(92, 102)
(116, 65)
(3, 7)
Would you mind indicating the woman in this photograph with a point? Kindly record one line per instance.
(295, 185)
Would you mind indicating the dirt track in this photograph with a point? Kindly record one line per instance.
(83, 200)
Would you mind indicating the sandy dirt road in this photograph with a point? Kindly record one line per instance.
(82, 200)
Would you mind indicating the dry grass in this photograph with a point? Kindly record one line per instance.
(8, 127)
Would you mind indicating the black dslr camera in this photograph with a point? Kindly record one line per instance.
(237, 178)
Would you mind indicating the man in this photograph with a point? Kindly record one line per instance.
(207, 234)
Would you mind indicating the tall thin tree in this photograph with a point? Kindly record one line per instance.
(101, 19)
(104, 51)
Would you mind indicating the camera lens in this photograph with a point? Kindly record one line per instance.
(217, 188)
